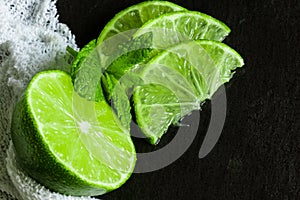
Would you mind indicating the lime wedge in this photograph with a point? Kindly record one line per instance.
(177, 80)
(160, 33)
(68, 144)
(135, 16)
(176, 27)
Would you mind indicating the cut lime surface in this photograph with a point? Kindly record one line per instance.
(177, 80)
(135, 16)
(70, 145)
(176, 27)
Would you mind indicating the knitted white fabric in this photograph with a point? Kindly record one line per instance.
(31, 40)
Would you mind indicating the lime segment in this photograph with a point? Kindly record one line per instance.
(176, 27)
(135, 16)
(177, 80)
(69, 144)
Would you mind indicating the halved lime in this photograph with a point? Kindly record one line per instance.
(135, 16)
(176, 27)
(177, 80)
(70, 145)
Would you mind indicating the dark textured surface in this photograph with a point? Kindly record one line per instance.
(258, 154)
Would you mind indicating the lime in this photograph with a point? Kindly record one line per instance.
(178, 80)
(68, 144)
(176, 27)
(164, 31)
(135, 16)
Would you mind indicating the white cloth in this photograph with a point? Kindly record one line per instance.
(31, 40)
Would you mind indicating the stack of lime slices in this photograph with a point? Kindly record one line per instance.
(201, 66)
(65, 133)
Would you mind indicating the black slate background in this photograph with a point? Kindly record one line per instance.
(258, 154)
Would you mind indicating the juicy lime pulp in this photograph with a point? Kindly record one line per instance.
(135, 16)
(67, 143)
(176, 27)
(177, 80)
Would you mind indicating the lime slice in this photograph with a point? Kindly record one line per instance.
(176, 27)
(70, 145)
(164, 31)
(177, 80)
(135, 16)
